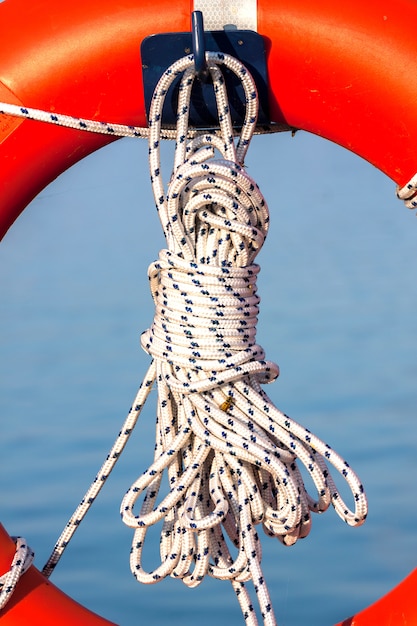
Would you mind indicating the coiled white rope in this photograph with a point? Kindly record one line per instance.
(231, 457)
(22, 560)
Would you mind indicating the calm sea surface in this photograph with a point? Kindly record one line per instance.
(338, 313)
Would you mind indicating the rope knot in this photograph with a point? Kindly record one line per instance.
(213, 206)
(205, 321)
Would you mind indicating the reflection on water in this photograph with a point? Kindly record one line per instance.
(338, 300)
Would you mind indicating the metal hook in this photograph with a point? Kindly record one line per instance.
(198, 43)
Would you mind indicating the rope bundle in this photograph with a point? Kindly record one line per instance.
(230, 457)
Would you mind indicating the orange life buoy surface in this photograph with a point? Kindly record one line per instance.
(38, 602)
(342, 71)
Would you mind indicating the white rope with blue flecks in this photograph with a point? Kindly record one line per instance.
(408, 193)
(230, 456)
(22, 560)
(79, 123)
(100, 127)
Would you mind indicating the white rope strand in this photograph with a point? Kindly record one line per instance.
(103, 474)
(97, 126)
(22, 560)
(77, 123)
(408, 193)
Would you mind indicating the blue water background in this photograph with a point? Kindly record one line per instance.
(338, 313)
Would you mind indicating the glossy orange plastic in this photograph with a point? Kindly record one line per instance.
(341, 70)
(396, 608)
(37, 602)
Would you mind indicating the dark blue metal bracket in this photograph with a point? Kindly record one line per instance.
(158, 52)
(198, 43)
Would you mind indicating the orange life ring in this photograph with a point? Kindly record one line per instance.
(38, 602)
(340, 71)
